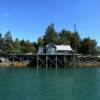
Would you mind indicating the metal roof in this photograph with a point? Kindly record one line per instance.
(63, 48)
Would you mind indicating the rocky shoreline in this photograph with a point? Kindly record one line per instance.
(14, 64)
(91, 64)
(26, 64)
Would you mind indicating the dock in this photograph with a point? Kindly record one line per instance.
(44, 60)
(58, 60)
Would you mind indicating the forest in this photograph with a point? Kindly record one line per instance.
(86, 46)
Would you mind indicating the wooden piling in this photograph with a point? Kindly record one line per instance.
(37, 61)
(64, 60)
(56, 62)
(46, 61)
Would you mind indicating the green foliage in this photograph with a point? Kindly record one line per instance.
(8, 42)
(17, 46)
(8, 45)
(75, 42)
(27, 46)
(40, 42)
(50, 35)
(65, 37)
(88, 46)
(1, 41)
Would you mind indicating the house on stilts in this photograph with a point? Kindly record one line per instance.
(56, 49)
(55, 55)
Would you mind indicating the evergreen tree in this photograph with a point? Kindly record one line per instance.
(50, 35)
(65, 37)
(40, 42)
(1, 42)
(8, 43)
(75, 41)
(88, 46)
(27, 47)
(17, 46)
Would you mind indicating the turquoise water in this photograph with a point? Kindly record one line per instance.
(42, 84)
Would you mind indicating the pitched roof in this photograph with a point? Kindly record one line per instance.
(51, 44)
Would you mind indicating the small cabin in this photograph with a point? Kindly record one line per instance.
(56, 49)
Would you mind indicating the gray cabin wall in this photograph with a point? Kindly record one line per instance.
(51, 49)
(40, 50)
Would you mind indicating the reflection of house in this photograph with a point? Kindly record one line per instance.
(53, 49)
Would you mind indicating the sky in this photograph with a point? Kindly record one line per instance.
(28, 19)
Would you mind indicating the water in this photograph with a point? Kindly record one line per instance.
(42, 84)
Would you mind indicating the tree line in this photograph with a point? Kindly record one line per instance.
(65, 37)
(9, 45)
(84, 46)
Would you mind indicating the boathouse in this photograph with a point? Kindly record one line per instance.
(55, 49)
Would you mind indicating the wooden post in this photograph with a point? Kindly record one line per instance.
(46, 61)
(56, 62)
(37, 62)
(82, 59)
(78, 61)
(65, 60)
(13, 59)
(27, 60)
(73, 60)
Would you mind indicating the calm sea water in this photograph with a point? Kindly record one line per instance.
(42, 84)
